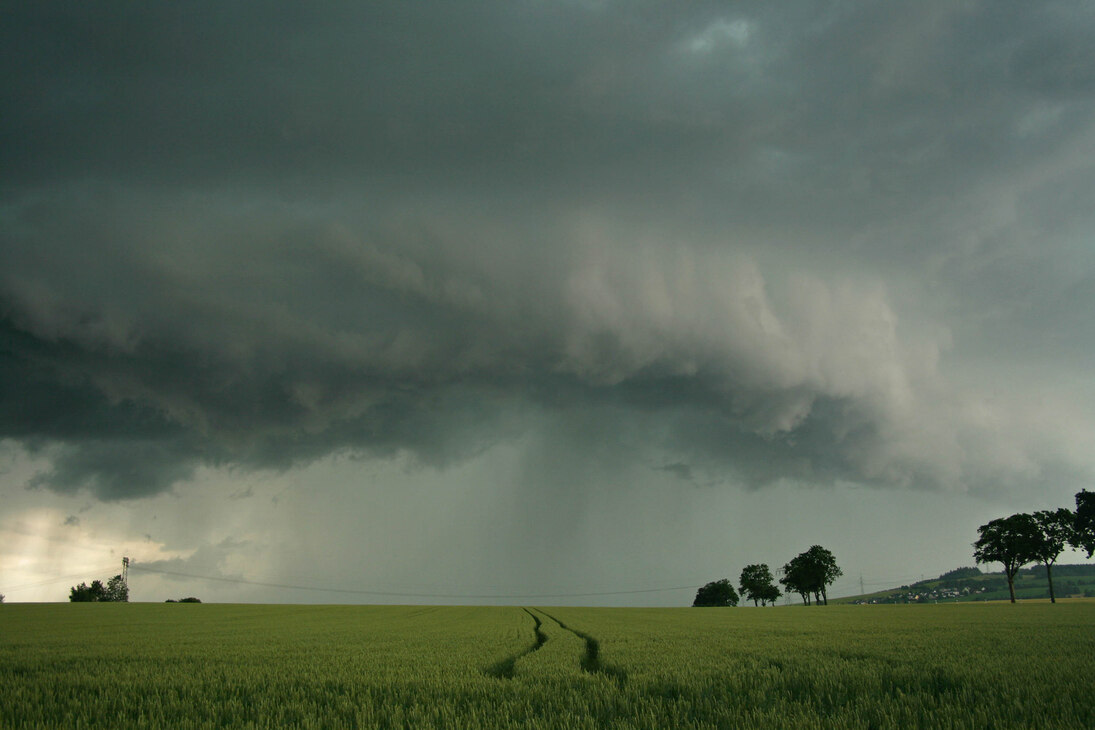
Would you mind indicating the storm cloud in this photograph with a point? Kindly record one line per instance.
(751, 243)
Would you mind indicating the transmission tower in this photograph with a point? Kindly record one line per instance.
(125, 572)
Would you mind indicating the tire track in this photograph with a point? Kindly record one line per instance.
(422, 611)
(506, 668)
(591, 662)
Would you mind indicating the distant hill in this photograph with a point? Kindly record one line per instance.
(971, 584)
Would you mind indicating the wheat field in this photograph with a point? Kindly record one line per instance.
(254, 666)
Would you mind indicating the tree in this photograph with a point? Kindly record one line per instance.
(796, 578)
(1083, 537)
(1008, 540)
(822, 568)
(813, 572)
(116, 590)
(770, 595)
(716, 593)
(756, 584)
(85, 593)
(1055, 529)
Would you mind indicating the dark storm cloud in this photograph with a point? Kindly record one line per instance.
(223, 91)
(242, 236)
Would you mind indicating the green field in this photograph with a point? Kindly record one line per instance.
(190, 666)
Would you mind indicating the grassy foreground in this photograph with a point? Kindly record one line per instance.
(197, 666)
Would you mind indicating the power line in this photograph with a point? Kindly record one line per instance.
(390, 594)
(355, 591)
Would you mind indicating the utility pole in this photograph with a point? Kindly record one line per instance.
(861, 591)
(125, 572)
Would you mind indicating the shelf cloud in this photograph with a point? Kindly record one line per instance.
(777, 242)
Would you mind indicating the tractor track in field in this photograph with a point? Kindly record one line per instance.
(506, 668)
(423, 611)
(591, 661)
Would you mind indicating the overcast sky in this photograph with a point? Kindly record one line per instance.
(531, 301)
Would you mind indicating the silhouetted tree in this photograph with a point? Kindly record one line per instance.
(1056, 528)
(116, 590)
(822, 570)
(1083, 536)
(756, 584)
(716, 593)
(796, 578)
(1009, 540)
(813, 572)
(85, 593)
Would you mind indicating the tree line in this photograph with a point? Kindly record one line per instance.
(1037, 537)
(809, 573)
(115, 590)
